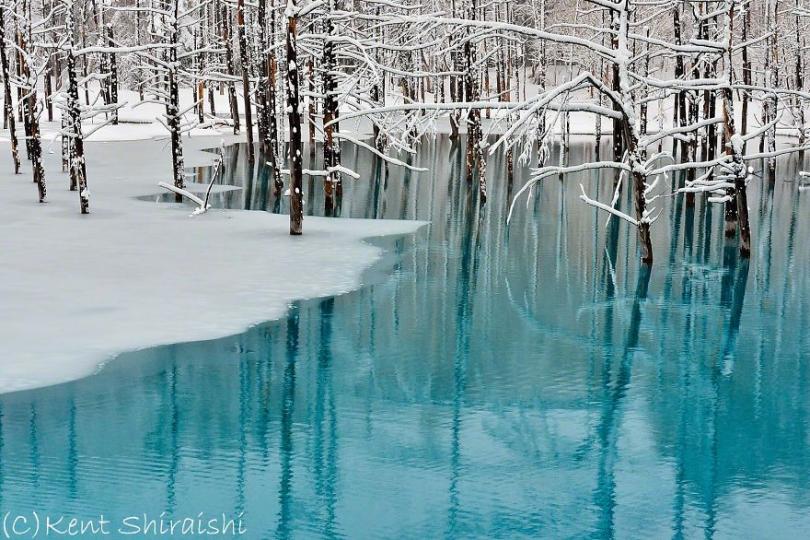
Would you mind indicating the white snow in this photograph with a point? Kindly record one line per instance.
(77, 290)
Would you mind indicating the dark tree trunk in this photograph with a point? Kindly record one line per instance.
(173, 105)
(78, 168)
(226, 39)
(331, 146)
(294, 118)
(113, 84)
(8, 108)
(245, 61)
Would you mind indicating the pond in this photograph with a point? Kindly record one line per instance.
(486, 381)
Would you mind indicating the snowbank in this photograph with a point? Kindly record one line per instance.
(77, 290)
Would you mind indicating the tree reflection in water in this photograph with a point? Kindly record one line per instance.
(487, 381)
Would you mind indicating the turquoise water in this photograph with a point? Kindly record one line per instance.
(485, 382)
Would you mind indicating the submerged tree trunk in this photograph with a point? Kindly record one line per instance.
(735, 148)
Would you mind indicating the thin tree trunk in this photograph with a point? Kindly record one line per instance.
(245, 61)
(331, 114)
(8, 108)
(173, 105)
(226, 39)
(78, 168)
(294, 118)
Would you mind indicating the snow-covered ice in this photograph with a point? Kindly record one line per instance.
(77, 290)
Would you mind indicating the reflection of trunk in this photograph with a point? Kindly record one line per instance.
(8, 109)
(610, 418)
(245, 61)
(735, 310)
(285, 490)
(294, 117)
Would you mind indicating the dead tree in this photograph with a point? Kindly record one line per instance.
(245, 61)
(8, 108)
(294, 107)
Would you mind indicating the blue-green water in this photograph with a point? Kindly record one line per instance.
(487, 381)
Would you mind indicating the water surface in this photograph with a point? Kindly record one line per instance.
(487, 381)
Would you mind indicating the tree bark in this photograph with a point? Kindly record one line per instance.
(294, 117)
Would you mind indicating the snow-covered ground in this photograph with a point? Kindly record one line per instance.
(138, 119)
(76, 290)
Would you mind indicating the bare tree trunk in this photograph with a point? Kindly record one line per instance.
(261, 68)
(644, 103)
(31, 107)
(680, 73)
(245, 61)
(799, 106)
(455, 84)
(173, 104)
(271, 143)
(475, 153)
(78, 168)
(226, 39)
(294, 118)
(736, 214)
(618, 130)
(113, 85)
(746, 71)
(311, 107)
(8, 108)
(331, 113)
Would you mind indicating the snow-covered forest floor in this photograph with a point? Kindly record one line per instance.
(78, 289)
(138, 120)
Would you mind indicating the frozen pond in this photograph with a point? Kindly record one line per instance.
(488, 381)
